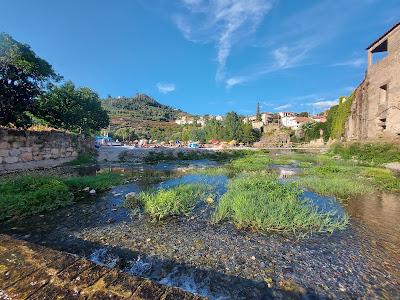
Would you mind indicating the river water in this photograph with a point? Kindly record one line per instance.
(219, 261)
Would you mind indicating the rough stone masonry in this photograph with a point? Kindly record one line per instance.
(24, 149)
(375, 111)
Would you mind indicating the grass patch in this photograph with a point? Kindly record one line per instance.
(383, 178)
(260, 201)
(100, 182)
(250, 163)
(179, 200)
(375, 154)
(338, 186)
(29, 195)
(345, 180)
(32, 194)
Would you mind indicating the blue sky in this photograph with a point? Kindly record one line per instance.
(207, 56)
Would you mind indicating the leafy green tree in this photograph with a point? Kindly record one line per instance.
(303, 114)
(249, 135)
(233, 126)
(23, 77)
(75, 109)
(124, 134)
(213, 130)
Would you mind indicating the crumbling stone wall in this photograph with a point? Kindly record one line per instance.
(21, 149)
(375, 111)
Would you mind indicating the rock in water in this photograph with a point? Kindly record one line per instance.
(130, 195)
(92, 192)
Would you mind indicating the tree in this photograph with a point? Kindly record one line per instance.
(258, 113)
(75, 109)
(249, 135)
(233, 126)
(23, 77)
(213, 130)
(124, 134)
(303, 114)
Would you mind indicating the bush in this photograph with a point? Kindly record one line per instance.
(28, 195)
(260, 201)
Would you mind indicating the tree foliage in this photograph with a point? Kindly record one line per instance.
(75, 109)
(23, 77)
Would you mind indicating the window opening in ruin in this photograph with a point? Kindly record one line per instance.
(383, 95)
(380, 52)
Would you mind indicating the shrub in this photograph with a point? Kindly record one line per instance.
(28, 195)
(260, 201)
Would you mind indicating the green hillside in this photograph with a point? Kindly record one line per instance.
(141, 113)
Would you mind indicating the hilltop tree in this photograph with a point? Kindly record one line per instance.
(258, 112)
(23, 77)
(75, 109)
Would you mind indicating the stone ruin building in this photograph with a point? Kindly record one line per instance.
(375, 111)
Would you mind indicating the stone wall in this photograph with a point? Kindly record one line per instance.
(375, 111)
(21, 149)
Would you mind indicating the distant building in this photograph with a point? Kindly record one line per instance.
(318, 119)
(375, 110)
(185, 120)
(266, 118)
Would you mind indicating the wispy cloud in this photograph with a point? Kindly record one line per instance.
(323, 104)
(355, 63)
(223, 22)
(165, 88)
(283, 106)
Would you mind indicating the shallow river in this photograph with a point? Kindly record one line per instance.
(219, 261)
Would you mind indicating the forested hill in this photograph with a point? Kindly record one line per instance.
(139, 110)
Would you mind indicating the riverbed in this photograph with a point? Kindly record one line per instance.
(218, 260)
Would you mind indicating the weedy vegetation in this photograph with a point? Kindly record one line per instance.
(179, 200)
(28, 195)
(260, 201)
(32, 194)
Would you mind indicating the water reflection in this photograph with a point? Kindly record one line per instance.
(380, 214)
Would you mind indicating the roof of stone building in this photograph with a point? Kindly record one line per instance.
(383, 35)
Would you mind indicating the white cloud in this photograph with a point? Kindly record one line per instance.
(283, 106)
(230, 82)
(223, 22)
(165, 88)
(355, 63)
(323, 104)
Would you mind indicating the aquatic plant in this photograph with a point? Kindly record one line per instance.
(178, 200)
(338, 186)
(254, 162)
(27, 195)
(260, 201)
